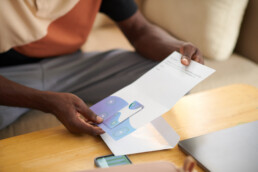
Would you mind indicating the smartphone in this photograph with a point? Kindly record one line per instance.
(111, 160)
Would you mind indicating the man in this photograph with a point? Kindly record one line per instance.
(41, 62)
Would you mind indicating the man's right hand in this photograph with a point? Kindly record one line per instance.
(73, 113)
(67, 107)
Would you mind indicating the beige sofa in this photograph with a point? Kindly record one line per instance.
(240, 67)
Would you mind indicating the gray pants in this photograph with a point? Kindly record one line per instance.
(91, 76)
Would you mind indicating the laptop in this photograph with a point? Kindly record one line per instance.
(234, 149)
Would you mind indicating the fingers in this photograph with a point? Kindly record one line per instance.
(75, 115)
(190, 52)
(80, 125)
(189, 164)
(198, 57)
(88, 119)
(187, 50)
(85, 120)
(89, 114)
(90, 129)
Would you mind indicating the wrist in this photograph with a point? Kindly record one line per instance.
(43, 101)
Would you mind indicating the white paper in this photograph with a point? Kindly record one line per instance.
(143, 101)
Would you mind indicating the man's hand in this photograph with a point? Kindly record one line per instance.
(67, 107)
(190, 52)
(188, 166)
(74, 113)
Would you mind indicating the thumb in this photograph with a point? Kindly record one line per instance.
(89, 114)
(185, 60)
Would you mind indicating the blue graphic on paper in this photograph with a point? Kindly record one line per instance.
(116, 112)
(123, 114)
(108, 106)
(120, 131)
(113, 120)
(135, 105)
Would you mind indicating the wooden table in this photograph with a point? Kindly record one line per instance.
(196, 114)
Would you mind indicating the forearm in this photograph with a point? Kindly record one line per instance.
(156, 43)
(14, 94)
(65, 106)
(149, 40)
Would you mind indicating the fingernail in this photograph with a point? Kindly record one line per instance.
(99, 119)
(184, 60)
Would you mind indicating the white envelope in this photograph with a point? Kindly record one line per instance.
(157, 135)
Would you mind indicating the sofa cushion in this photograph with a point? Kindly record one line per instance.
(237, 69)
(212, 25)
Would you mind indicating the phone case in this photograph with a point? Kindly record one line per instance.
(96, 162)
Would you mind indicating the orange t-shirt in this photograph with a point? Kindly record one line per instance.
(66, 34)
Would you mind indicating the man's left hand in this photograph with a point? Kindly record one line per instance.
(154, 42)
(190, 52)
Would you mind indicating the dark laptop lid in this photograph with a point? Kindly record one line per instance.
(233, 149)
